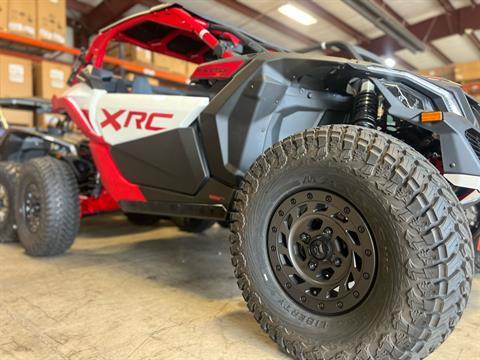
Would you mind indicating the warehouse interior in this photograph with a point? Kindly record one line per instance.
(155, 291)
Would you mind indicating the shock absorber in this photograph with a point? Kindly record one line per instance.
(365, 105)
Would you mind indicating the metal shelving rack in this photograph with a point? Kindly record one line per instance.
(34, 49)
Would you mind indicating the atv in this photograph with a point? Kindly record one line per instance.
(342, 180)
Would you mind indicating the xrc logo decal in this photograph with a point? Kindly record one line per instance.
(138, 119)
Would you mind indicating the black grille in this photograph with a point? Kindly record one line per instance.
(473, 137)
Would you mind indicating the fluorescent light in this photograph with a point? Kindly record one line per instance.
(389, 62)
(296, 14)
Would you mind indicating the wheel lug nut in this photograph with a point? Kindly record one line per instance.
(303, 299)
(337, 262)
(361, 229)
(340, 305)
(288, 285)
(321, 305)
(356, 293)
(368, 252)
(274, 229)
(366, 276)
(312, 265)
(278, 267)
(309, 196)
(273, 248)
(305, 237)
(346, 210)
(328, 198)
(328, 231)
(293, 201)
(281, 213)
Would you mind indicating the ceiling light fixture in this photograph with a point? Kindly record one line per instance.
(296, 14)
(390, 62)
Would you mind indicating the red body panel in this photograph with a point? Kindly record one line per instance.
(112, 179)
(90, 205)
(181, 23)
(223, 69)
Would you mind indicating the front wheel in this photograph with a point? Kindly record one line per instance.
(48, 209)
(348, 244)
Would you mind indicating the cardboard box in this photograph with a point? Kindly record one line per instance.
(45, 119)
(51, 20)
(15, 77)
(446, 72)
(191, 67)
(130, 53)
(50, 78)
(467, 71)
(152, 81)
(16, 117)
(3, 15)
(170, 64)
(22, 17)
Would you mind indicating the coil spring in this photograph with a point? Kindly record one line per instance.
(365, 109)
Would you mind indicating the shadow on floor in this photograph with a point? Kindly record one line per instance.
(199, 263)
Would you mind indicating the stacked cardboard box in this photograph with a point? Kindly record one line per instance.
(170, 64)
(468, 71)
(130, 53)
(51, 20)
(446, 72)
(15, 77)
(3, 15)
(16, 81)
(50, 78)
(21, 17)
(191, 67)
(15, 117)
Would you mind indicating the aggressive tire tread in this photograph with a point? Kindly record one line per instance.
(436, 236)
(61, 209)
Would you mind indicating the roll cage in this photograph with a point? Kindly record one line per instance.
(171, 30)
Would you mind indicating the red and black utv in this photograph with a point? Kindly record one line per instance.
(347, 242)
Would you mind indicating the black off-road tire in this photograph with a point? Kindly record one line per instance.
(8, 180)
(52, 227)
(143, 219)
(477, 260)
(192, 225)
(423, 245)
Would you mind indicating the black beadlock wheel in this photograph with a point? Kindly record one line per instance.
(348, 244)
(322, 251)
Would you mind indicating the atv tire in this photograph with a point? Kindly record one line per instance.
(192, 225)
(8, 180)
(143, 219)
(48, 209)
(422, 251)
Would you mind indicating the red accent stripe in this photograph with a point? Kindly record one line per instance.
(63, 104)
(112, 179)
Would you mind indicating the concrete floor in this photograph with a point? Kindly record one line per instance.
(124, 292)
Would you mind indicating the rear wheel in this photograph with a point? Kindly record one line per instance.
(48, 209)
(192, 225)
(348, 244)
(8, 180)
(143, 219)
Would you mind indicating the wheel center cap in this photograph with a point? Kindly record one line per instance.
(321, 248)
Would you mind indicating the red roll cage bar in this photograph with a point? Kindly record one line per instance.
(174, 21)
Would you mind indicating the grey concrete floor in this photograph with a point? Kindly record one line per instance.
(125, 292)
